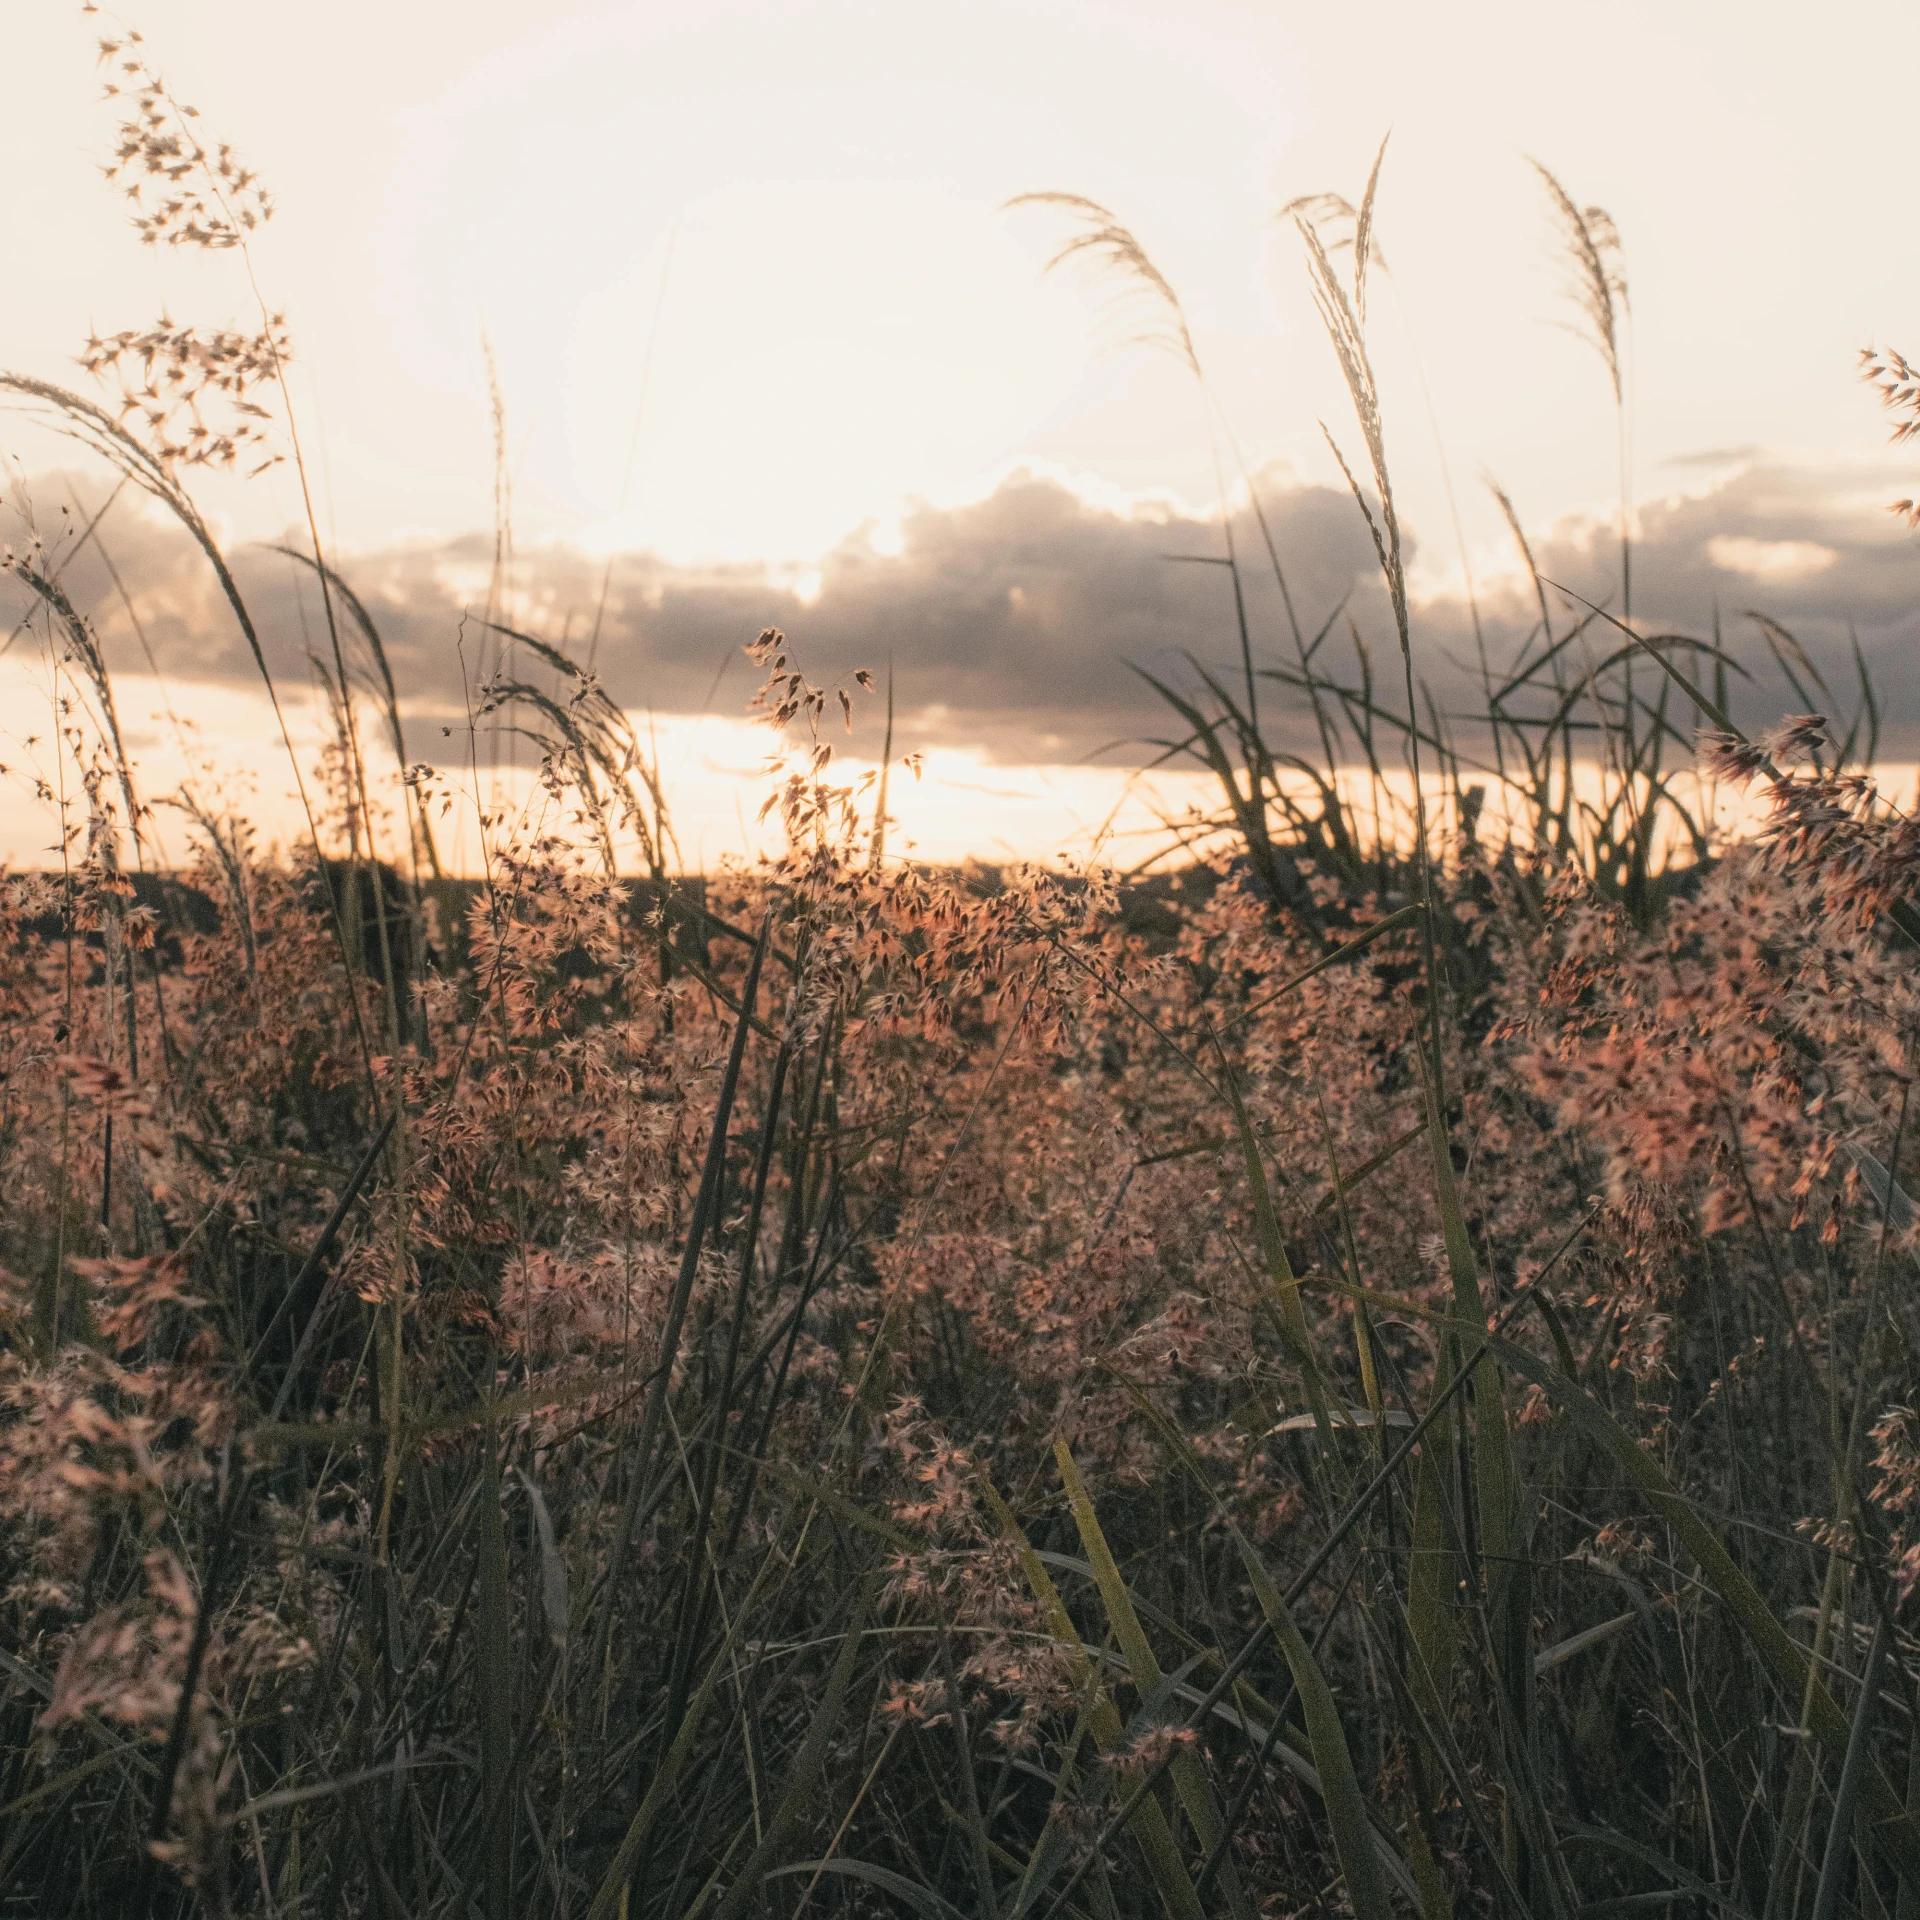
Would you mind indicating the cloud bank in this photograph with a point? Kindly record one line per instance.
(1014, 624)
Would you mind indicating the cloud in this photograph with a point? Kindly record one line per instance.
(1014, 623)
(1812, 548)
(1770, 561)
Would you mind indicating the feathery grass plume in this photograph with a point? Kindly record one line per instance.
(1594, 274)
(1344, 318)
(500, 593)
(501, 612)
(188, 196)
(1593, 271)
(1143, 299)
(1340, 225)
(1334, 214)
(1345, 321)
(1151, 315)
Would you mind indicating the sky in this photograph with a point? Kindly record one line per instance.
(768, 348)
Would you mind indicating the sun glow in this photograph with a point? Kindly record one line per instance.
(231, 761)
(781, 361)
(715, 773)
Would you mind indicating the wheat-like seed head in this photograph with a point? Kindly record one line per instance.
(1313, 212)
(1897, 383)
(1343, 313)
(1338, 223)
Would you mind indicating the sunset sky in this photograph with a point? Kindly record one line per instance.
(765, 340)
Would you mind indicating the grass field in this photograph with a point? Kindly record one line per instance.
(1368, 1373)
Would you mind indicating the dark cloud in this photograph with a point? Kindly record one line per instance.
(1814, 550)
(1013, 622)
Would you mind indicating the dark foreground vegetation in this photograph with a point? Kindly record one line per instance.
(1373, 1378)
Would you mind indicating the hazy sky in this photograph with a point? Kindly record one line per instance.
(778, 224)
(846, 321)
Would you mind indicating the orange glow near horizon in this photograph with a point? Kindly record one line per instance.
(716, 772)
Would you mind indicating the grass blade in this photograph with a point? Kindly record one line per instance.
(1147, 1823)
(1890, 1822)
(495, 1657)
(1189, 1775)
(1355, 1843)
(910, 1893)
(1833, 1864)
(808, 1765)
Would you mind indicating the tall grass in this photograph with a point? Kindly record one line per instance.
(1375, 1380)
